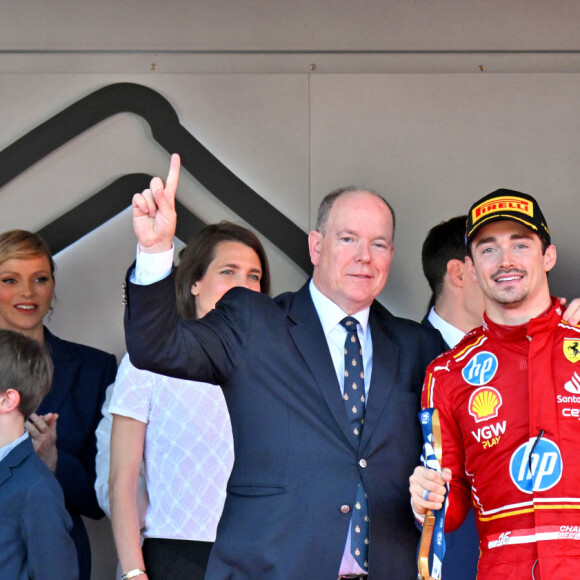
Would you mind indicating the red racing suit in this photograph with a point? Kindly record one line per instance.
(509, 404)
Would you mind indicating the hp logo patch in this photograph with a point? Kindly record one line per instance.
(480, 369)
(546, 466)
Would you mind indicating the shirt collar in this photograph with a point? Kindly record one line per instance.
(331, 314)
(451, 334)
(4, 451)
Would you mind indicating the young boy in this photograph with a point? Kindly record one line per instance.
(34, 524)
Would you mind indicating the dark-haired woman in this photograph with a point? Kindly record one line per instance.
(180, 428)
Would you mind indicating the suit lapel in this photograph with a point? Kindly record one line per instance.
(5, 472)
(310, 341)
(14, 458)
(385, 365)
(426, 322)
(65, 371)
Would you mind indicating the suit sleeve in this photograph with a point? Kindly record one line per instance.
(45, 529)
(453, 457)
(76, 472)
(204, 350)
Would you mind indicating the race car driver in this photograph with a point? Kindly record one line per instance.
(508, 396)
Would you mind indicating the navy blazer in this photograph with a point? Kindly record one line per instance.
(81, 377)
(462, 552)
(297, 468)
(34, 525)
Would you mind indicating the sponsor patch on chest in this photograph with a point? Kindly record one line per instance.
(489, 435)
(536, 465)
(480, 369)
(484, 404)
(571, 348)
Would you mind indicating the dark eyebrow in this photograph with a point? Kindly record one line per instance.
(491, 239)
(237, 267)
(529, 236)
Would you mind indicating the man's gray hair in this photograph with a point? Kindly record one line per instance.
(326, 204)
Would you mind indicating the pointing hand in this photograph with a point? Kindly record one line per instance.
(154, 217)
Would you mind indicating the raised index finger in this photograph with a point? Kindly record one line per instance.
(173, 175)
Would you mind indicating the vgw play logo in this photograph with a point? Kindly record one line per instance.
(539, 472)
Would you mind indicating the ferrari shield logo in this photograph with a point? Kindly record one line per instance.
(572, 349)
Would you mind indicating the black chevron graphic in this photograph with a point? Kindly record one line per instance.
(173, 137)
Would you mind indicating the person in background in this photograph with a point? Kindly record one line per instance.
(456, 304)
(506, 396)
(181, 429)
(63, 427)
(34, 535)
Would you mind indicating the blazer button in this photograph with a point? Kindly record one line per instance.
(363, 463)
(344, 509)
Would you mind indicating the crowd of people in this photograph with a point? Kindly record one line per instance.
(246, 437)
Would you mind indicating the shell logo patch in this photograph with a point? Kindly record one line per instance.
(484, 404)
(571, 349)
(480, 369)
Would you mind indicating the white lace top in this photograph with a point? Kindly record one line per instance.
(188, 450)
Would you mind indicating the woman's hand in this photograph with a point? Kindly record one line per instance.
(42, 429)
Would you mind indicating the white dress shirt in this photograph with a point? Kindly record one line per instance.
(330, 316)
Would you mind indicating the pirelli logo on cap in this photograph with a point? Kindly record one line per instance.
(499, 204)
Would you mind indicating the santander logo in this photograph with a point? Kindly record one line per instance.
(573, 385)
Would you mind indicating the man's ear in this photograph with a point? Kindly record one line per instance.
(456, 272)
(314, 243)
(9, 400)
(550, 257)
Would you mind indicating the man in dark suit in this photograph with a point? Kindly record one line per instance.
(308, 447)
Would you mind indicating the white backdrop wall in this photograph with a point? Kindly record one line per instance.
(431, 143)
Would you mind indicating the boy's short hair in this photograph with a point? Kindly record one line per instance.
(26, 367)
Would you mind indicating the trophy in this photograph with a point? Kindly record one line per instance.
(432, 451)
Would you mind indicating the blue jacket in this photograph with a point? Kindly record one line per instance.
(34, 525)
(81, 377)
